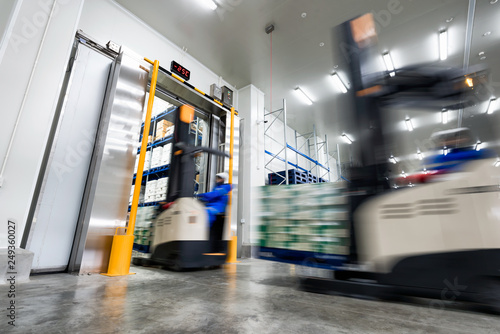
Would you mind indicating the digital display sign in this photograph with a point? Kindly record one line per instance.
(180, 70)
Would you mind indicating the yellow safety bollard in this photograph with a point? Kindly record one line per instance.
(232, 250)
(121, 253)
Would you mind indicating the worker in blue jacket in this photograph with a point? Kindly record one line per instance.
(216, 200)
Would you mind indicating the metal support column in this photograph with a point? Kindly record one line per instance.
(316, 151)
(286, 148)
(339, 165)
(327, 159)
(296, 152)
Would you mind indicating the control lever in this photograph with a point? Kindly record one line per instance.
(192, 150)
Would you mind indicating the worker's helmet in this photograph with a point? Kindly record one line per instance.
(223, 176)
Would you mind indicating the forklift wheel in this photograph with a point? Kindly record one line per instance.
(489, 296)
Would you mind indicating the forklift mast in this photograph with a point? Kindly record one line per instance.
(424, 86)
(182, 166)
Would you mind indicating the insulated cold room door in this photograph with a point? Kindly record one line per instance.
(56, 216)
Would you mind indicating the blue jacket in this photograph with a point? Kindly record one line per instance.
(217, 198)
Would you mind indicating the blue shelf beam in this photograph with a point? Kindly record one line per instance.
(157, 143)
(308, 158)
(156, 170)
(290, 163)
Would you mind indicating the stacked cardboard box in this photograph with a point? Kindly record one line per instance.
(305, 217)
(166, 154)
(164, 128)
(141, 195)
(150, 193)
(156, 157)
(156, 190)
(161, 189)
(147, 162)
(143, 231)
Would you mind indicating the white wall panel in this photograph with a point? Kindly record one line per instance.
(16, 68)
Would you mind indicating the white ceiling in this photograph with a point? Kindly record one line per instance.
(231, 41)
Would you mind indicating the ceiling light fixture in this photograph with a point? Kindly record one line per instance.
(346, 139)
(303, 96)
(210, 4)
(409, 124)
(393, 160)
(478, 145)
(321, 44)
(339, 83)
(388, 63)
(491, 108)
(469, 82)
(443, 44)
(493, 2)
(450, 19)
(444, 116)
(487, 33)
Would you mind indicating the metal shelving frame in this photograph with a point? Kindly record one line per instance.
(282, 155)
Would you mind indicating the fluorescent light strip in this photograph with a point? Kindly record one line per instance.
(443, 44)
(303, 96)
(444, 116)
(339, 83)
(490, 108)
(346, 139)
(210, 4)
(388, 63)
(409, 124)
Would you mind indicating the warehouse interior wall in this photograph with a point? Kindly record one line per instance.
(251, 173)
(6, 13)
(32, 70)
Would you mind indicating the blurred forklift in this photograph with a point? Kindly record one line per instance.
(183, 238)
(435, 240)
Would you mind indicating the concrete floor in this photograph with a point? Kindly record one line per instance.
(253, 296)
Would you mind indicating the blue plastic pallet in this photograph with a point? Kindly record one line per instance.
(304, 258)
(294, 177)
(141, 248)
